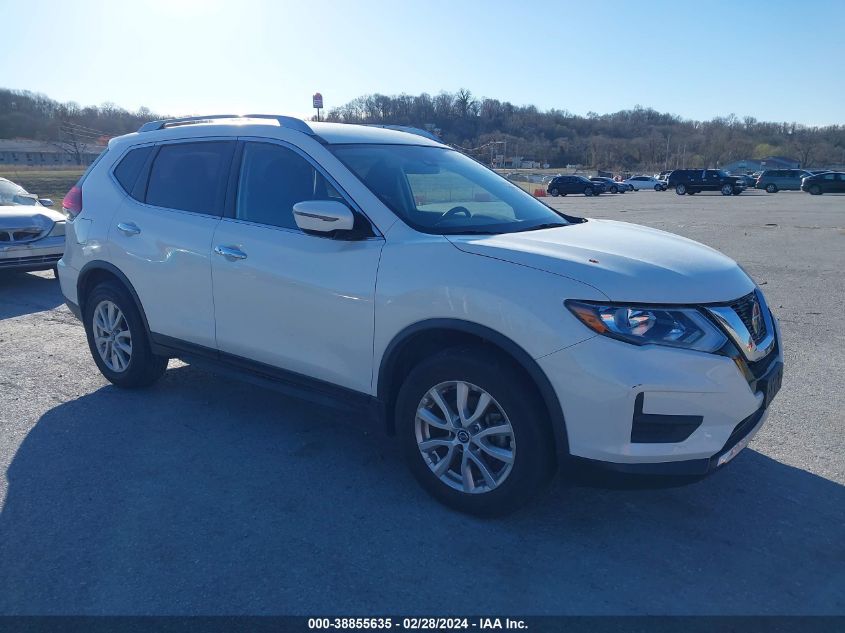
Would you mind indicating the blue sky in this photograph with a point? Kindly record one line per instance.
(695, 59)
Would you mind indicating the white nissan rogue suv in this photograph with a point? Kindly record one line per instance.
(495, 336)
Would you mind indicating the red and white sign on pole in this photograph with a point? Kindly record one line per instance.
(317, 100)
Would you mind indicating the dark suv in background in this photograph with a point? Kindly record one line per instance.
(774, 180)
(827, 182)
(693, 181)
(562, 185)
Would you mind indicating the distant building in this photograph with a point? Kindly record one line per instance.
(752, 165)
(22, 152)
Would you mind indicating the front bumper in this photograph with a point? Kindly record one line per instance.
(38, 255)
(603, 385)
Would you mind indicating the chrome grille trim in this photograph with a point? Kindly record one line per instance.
(730, 318)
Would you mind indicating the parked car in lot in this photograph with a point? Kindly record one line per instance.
(495, 336)
(32, 236)
(563, 185)
(746, 180)
(645, 182)
(774, 180)
(827, 182)
(611, 185)
(692, 181)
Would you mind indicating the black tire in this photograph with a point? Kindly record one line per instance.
(614, 189)
(554, 192)
(658, 187)
(534, 457)
(737, 191)
(144, 367)
(588, 191)
(680, 189)
(727, 190)
(815, 190)
(771, 188)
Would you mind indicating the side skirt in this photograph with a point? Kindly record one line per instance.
(269, 377)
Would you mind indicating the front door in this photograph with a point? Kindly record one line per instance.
(299, 302)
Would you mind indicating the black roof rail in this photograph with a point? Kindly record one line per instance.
(284, 121)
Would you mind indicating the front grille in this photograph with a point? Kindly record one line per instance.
(13, 262)
(20, 235)
(744, 309)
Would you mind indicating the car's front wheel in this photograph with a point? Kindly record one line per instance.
(473, 433)
(588, 191)
(614, 189)
(658, 187)
(117, 338)
(815, 190)
(771, 188)
(554, 192)
(727, 190)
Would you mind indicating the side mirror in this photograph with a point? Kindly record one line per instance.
(323, 216)
(45, 202)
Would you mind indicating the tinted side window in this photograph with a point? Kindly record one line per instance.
(273, 179)
(191, 176)
(130, 166)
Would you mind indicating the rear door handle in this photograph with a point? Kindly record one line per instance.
(128, 228)
(230, 252)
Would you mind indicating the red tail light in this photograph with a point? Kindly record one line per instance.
(72, 203)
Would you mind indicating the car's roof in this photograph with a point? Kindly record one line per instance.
(268, 125)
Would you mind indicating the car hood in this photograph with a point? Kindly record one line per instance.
(20, 216)
(626, 262)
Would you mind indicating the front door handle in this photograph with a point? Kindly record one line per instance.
(128, 228)
(230, 252)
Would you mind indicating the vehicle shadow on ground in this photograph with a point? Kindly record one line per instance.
(205, 496)
(25, 293)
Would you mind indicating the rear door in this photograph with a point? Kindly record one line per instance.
(160, 237)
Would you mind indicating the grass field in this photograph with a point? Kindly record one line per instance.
(47, 183)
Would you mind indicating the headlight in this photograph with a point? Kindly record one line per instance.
(675, 327)
(58, 229)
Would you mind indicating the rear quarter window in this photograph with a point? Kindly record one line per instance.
(129, 168)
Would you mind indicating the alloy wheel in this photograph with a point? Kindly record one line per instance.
(112, 337)
(465, 437)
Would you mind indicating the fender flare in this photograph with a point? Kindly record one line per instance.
(95, 265)
(385, 390)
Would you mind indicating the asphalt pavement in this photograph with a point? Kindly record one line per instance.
(208, 495)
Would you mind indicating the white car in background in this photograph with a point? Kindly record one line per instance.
(646, 182)
(495, 336)
(32, 236)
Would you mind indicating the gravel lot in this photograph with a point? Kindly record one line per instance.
(204, 495)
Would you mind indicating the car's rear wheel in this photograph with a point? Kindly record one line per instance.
(554, 192)
(727, 190)
(117, 338)
(473, 433)
(815, 190)
(680, 189)
(771, 188)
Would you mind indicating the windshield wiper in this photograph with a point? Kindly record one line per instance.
(546, 225)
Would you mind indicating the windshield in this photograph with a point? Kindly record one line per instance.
(12, 194)
(441, 191)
